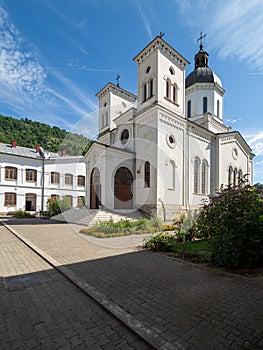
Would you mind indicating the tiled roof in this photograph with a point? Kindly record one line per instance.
(23, 151)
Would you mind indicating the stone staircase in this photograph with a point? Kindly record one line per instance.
(89, 217)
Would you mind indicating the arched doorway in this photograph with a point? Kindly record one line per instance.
(95, 189)
(123, 189)
(31, 201)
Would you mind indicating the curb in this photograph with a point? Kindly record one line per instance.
(151, 336)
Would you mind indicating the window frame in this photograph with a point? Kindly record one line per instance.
(31, 175)
(67, 177)
(55, 178)
(205, 104)
(147, 174)
(10, 173)
(81, 180)
(11, 202)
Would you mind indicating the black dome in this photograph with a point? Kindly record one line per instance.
(200, 75)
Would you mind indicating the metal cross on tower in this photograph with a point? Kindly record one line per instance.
(202, 36)
(117, 79)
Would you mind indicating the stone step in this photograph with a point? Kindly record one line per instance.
(89, 217)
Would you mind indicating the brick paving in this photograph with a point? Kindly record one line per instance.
(41, 309)
(192, 307)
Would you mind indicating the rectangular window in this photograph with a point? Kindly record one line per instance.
(54, 197)
(31, 175)
(68, 179)
(70, 200)
(81, 180)
(10, 199)
(81, 200)
(54, 177)
(10, 173)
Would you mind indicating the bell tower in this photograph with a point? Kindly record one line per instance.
(161, 76)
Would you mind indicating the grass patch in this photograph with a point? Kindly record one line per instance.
(191, 247)
(107, 229)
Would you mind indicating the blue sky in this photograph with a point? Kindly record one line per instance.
(56, 55)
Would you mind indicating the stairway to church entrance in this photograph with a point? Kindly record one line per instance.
(123, 196)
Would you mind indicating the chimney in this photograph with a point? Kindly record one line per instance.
(63, 152)
(13, 143)
(37, 148)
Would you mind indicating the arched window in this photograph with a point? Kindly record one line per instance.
(230, 173)
(168, 88)
(175, 91)
(189, 109)
(235, 177)
(196, 175)
(204, 177)
(147, 174)
(171, 175)
(144, 92)
(239, 176)
(217, 108)
(150, 88)
(204, 105)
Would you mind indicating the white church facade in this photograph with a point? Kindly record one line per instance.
(167, 149)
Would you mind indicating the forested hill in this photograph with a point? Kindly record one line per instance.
(28, 133)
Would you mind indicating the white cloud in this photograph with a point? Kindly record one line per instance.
(234, 28)
(233, 120)
(24, 87)
(144, 19)
(255, 141)
(19, 70)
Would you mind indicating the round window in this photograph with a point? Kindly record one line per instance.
(148, 69)
(171, 141)
(124, 136)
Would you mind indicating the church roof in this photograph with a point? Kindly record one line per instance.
(158, 43)
(202, 75)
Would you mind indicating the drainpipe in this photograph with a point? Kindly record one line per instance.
(43, 186)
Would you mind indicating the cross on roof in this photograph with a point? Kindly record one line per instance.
(117, 79)
(162, 34)
(202, 36)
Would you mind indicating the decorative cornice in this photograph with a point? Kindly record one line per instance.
(159, 44)
(110, 87)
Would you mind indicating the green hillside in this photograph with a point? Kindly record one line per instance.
(28, 133)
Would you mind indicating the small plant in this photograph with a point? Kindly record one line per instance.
(22, 214)
(160, 242)
(183, 227)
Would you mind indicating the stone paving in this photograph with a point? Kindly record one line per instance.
(192, 307)
(41, 309)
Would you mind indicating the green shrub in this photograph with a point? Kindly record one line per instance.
(22, 214)
(232, 221)
(57, 206)
(160, 241)
(183, 227)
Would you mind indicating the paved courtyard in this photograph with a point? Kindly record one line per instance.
(171, 304)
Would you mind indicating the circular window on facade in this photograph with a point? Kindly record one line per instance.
(171, 141)
(235, 153)
(148, 69)
(124, 136)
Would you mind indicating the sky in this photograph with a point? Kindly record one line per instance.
(55, 55)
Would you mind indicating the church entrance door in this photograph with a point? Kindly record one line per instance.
(123, 189)
(95, 189)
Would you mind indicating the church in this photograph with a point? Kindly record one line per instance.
(165, 150)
